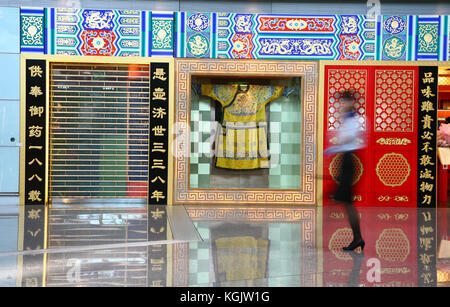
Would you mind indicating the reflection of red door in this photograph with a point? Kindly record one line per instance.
(391, 248)
(385, 98)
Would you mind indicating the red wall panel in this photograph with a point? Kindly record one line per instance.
(390, 254)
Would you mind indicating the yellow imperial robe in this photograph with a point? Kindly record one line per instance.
(241, 140)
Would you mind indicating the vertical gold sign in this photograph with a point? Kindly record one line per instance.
(427, 176)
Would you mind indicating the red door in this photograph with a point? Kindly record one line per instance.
(386, 100)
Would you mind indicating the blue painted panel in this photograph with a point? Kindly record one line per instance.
(9, 29)
(9, 122)
(9, 169)
(10, 76)
(8, 243)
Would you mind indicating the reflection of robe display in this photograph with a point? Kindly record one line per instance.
(241, 258)
(241, 141)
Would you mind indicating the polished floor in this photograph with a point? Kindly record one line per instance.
(132, 245)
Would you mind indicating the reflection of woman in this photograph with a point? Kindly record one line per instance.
(348, 141)
(354, 279)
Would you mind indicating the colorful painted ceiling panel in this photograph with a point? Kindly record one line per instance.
(196, 35)
(96, 32)
(32, 30)
(162, 34)
(234, 35)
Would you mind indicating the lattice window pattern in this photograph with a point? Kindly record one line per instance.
(340, 80)
(394, 100)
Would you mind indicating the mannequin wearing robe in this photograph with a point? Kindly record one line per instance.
(241, 141)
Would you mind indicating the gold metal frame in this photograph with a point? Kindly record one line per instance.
(307, 70)
(85, 59)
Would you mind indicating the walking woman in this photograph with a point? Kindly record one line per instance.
(349, 139)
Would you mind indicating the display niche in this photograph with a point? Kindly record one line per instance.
(245, 133)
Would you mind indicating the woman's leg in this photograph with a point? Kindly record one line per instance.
(353, 218)
(352, 213)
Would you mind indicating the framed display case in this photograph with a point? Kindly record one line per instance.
(245, 132)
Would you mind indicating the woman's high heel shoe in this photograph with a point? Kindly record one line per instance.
(355, 244)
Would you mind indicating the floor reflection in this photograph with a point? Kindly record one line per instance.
(253, 246)
(197, 246)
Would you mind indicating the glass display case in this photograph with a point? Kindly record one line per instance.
(245, 133)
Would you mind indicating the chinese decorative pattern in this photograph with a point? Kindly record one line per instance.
(394, 100)
(427, 175)
(393, 169)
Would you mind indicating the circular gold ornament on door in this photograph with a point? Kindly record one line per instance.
(335, 167)
(393, 245)
(393, 169)
(340, 238)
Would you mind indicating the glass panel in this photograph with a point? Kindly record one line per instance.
(8, 264)
(9, 122)
(9, 29)
(9, 169)
(9, 81)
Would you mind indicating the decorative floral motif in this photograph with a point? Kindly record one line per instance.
(98, 20)
(295, 24)
(198, 22)
(349, 47)
(197, 45)
(349, 24)
(394, 48)
(162, 34)
(32, 31)
(243, 23)
(296, 46)
(97, 42)
(242, 46)
(394, 25)
(428, 38)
